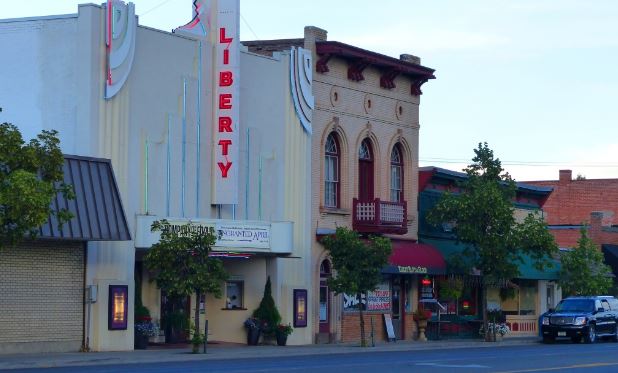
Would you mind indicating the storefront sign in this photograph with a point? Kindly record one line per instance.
(352, 303)
(300, 308)
(242, 235)
(229, 234)
(226, 99)
(379, 299)
(118, 301)
(412, 269)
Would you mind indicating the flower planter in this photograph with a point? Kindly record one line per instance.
(253, 336)
(140, 342)
(282, 339)
(422, 325)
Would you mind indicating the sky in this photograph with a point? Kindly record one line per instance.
(535, 79)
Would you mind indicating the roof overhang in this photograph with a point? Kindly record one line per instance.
(97, 209)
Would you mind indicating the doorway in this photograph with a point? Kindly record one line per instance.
(365, 172)
(175, 318)
(397, 300)
(324, 303)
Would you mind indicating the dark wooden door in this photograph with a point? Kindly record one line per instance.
(324, 308)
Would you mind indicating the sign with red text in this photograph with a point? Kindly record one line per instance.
(226, 99)
(379, 299)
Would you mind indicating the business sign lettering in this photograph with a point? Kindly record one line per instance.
(240, 235)
(412, 269)
(226, 109)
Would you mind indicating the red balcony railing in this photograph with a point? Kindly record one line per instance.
(380, 216)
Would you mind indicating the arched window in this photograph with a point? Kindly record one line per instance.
(331, 172)
(396, 175)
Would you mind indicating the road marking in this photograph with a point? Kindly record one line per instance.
(453, 365)
(592, 365)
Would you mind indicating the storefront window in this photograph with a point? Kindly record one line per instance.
(234, 294)
(527, 299)
(468, 303)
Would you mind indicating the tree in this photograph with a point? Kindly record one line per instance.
(358, 265)
(181, 264)
(584, 271)
(30, 176)
(267, 311)
(483, 216)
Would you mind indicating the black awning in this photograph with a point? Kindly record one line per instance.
(610, 252)
(97, 210)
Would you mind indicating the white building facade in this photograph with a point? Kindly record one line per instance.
(197, 129)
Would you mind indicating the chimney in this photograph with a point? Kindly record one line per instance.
(596, 221)
(565, 176)
(410, 58)
(313, 34)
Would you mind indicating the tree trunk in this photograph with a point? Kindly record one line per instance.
(197, 311)
(362, 321)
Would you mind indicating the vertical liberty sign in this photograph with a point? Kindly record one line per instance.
(225, 34)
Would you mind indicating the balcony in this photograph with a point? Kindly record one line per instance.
(379, 217)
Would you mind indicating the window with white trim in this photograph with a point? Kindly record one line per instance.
(396, 175)
(331, 172)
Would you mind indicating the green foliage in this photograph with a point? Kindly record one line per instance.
(180, 261)
(30, 176)
(283, 329)
(358, 264)
(584, 271)
(450, 288)
(267, 312)
(484, 217)
(181, 265)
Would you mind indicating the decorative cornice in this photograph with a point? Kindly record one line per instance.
(358, 59)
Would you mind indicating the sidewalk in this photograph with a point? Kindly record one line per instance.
(227, 351)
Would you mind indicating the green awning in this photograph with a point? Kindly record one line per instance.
(527, 269)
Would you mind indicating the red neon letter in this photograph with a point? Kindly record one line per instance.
(222, 38)
(226, 56)
(224, 145)
(224, 168)
(225, 101)
(225, 78)
(225, 124)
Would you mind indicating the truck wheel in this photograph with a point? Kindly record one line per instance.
(591, 336)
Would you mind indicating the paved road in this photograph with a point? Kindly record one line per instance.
(560, 357)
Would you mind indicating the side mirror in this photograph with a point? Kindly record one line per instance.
(600, 309)
(551, 310)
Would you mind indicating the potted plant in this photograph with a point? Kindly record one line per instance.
(253, 331)
(267, 312)
(144, 329)
(496, 331)
(421, 316)
(281, 332)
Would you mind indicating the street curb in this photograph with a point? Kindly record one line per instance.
(27, 361)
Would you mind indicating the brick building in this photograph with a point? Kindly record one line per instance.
(571, 203)
(364, 172)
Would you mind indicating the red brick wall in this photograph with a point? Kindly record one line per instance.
(566, 237)
(572, 202)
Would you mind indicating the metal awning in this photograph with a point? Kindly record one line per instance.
(97, 209)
